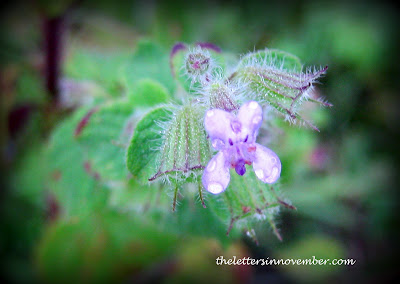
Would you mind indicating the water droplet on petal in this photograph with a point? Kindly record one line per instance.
(217, 143)
(211, 166)
(257, 119)
(215, 188)
(271, 178)
(260, 174)
(274, 175)
(253, 105)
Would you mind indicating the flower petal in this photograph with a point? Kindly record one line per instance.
(250, 116)
(216, 175)
(266, 165)
(218, 125)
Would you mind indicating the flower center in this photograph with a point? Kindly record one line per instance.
(240, 154)
(240, 167)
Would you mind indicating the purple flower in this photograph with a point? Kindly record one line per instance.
(235, 138)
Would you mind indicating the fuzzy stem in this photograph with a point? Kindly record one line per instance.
(201, 195)
(175, 196)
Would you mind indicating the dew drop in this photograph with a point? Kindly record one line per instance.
(215, 188)
(217, 143)
(253, 105)
(257, 119)
(211, 166)
(260, 174)
(274, 174)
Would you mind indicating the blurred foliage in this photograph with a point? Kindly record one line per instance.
(71, 212)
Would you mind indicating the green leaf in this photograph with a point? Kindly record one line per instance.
(148, 92)
(76, 93)
(150, 61)
(27, 178)
(105, 136)
(147, 199)
(145, 144)
(106, 247)
(279, 58)
(103, 67)
(70, 179)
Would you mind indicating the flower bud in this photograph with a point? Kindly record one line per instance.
(277, 79)
(221, 96)
(185, 150)
(199, 65)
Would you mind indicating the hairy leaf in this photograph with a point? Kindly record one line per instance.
(104, 138)
(141, 157)
(76, 189)
(148, 92)
(100, 248)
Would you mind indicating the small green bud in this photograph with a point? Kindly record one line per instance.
(199, 65)
(277, 78)
(185, 150)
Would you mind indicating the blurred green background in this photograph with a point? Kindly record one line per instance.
(342, 180)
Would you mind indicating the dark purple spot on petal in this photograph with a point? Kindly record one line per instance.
(245, 139)
(230, 141)
(240, 167)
